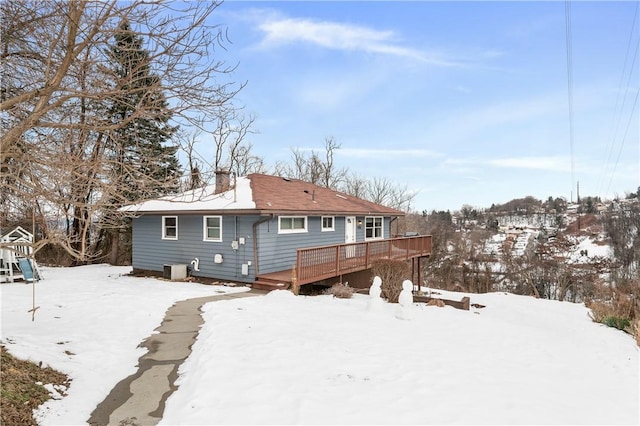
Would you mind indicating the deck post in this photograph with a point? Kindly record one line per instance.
(295, 288)
(298, 264)
(419, 275)
(413, 271)
(366, 255)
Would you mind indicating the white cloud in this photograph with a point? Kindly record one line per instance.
(339, 36)
(387, 153)
(555, 164)
(548, 163)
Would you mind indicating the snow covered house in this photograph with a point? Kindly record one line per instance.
(266, 231)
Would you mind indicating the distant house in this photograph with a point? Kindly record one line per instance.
(266, 231)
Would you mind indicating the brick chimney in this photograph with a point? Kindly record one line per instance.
(223, 181)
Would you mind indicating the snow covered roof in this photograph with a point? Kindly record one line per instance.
(264, 194)
(200, 199)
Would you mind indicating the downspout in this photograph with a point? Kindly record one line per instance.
(235, 237)
(390, 222)
(255, 240)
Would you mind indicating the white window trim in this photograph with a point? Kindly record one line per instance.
(381, 237)
(164, 228)
(333, 223)
(204, 230)
(292, 231)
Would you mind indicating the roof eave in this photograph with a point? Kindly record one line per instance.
(263, 212)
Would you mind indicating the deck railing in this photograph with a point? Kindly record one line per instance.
(319, 263)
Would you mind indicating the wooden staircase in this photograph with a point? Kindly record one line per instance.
(280, 280)
(270, 284)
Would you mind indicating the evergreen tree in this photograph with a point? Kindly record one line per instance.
(146, 162)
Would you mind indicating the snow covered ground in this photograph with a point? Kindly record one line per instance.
(586, 249)
(89, 324)
(281, 359)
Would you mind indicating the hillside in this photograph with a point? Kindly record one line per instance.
(517, 360)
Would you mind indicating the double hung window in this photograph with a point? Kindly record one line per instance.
(328, 223)
(212, 228)
(169, 227)
(373, 228)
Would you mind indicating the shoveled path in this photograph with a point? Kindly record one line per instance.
(139, 400)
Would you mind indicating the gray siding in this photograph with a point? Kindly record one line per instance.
(277, 252)
(151, 252)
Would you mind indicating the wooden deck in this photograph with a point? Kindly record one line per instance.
(319, 263)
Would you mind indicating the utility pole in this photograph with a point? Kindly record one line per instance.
(578, 193)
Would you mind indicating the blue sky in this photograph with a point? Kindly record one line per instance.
(462, 102)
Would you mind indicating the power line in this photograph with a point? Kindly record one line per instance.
(617, 114)
(631, 116)
(567, 19)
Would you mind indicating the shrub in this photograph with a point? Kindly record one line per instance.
(615, 309)
(617, 322)
(341, 291)
(392, 273)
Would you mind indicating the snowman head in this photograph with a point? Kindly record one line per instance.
(377, 281)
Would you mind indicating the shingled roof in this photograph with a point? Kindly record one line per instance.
(274, 193)
(264, 194)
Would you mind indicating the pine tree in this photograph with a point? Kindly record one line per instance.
(146, 162)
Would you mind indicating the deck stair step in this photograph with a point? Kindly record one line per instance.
(270, 284)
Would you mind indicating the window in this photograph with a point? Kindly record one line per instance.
(169, 227)
(373, 228)
(292, 224)
(212, 228)
(327, 223)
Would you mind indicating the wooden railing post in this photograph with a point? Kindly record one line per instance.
(295, 288)
(366, 255)
(299, 262)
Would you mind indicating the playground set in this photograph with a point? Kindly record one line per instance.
(16, 257)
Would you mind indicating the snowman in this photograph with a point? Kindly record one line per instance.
(374, 294)
(405, 301)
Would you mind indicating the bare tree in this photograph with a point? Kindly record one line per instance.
(384, 191)
(313, 168)
(332, 176)
(622, 225)
(307, 168)
(59, 147)
(244, 162)
(188, 144)
(229, 137)
(355, 185)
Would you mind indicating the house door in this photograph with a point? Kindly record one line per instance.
(350, 234)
